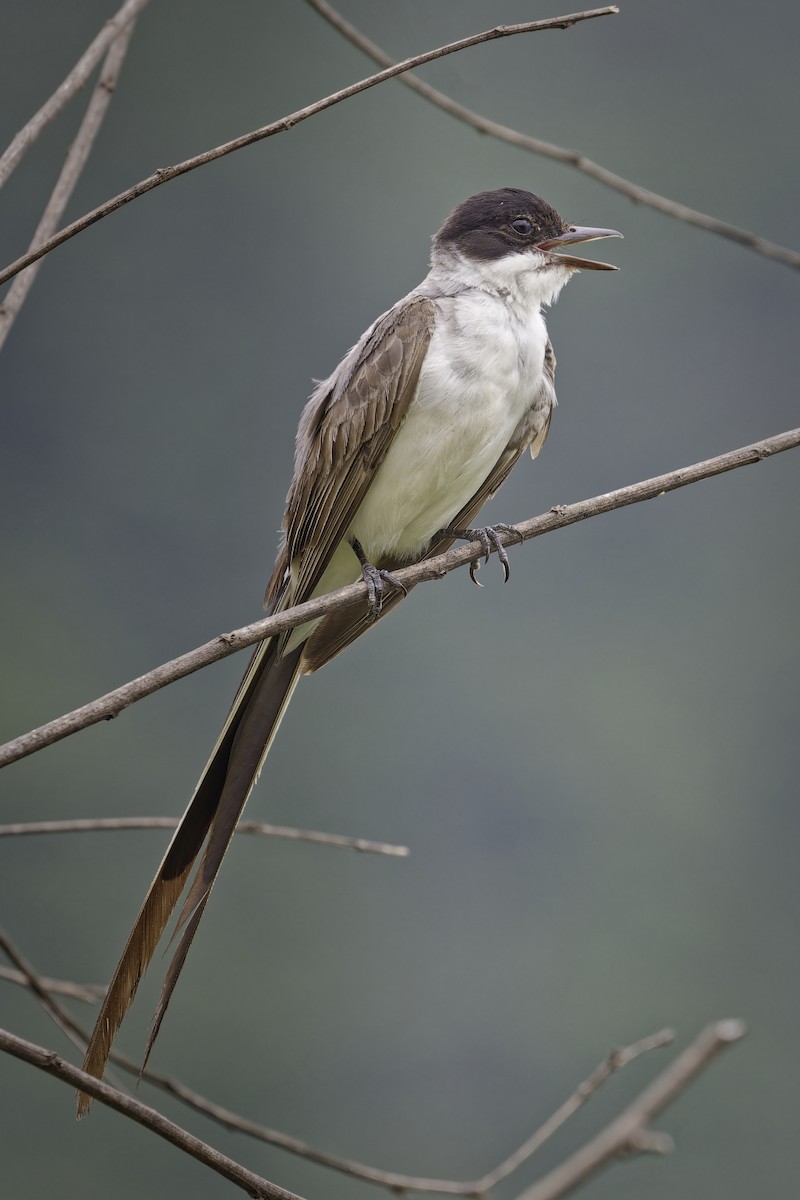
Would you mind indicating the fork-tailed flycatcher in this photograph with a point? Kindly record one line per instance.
(397, 451)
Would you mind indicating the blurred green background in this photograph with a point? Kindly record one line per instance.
(595, 767)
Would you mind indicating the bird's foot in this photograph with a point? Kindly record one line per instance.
(376, 580)
(489, 538)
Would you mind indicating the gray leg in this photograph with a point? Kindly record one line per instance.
(375, 579)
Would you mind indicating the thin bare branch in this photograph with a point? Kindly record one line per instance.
(114, 824)
(113, 703)
(630, 1130)
(37, 984)
(79, 1036)
(615, 1061)
(395, 1181)
(57, 1013)
(72, 84)
(89, 993)
(572, 158)
(74, 163)
(49, 1062)
(388, 1179)
(230, 1120)
(165, 174)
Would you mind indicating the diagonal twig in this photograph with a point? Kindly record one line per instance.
(80, 1037)
(52, 1064)
(57, 1013)
(28, 977)
(572, 158)
(165, 174)
(25, 975)
(34, 981)
(74, 163)
(72, 84)
(112, 703)
(113, 824)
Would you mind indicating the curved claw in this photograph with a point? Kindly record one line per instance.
(489, 538)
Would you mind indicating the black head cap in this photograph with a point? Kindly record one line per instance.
(493, 224)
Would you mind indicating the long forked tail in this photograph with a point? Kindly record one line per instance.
(213, 812)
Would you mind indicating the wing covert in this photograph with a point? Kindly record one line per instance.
(344, 434)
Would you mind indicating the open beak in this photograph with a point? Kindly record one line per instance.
(570, 237)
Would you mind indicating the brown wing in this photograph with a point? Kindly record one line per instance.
(345, 432)
(338, 630)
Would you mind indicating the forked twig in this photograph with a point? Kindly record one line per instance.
(66, 90)
(393, 1180)
(615, 1061)
(74, 163)
(634, 192)
(165, 174)
(630, 1131)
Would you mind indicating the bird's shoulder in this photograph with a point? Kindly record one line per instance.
(369, 386)
(346, 429)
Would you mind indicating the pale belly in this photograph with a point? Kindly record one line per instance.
(457, 427)
(433, 468)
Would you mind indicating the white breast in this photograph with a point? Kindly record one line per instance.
(482, 372)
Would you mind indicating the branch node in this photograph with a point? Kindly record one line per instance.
(650, 1141)
(623, 1055)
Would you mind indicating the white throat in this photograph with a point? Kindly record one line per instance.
(528, 281)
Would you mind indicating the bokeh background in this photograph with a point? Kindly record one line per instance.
(595, 767)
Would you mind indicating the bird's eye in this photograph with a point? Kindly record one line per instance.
(522, 226)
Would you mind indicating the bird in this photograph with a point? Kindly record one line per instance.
(396, 452)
